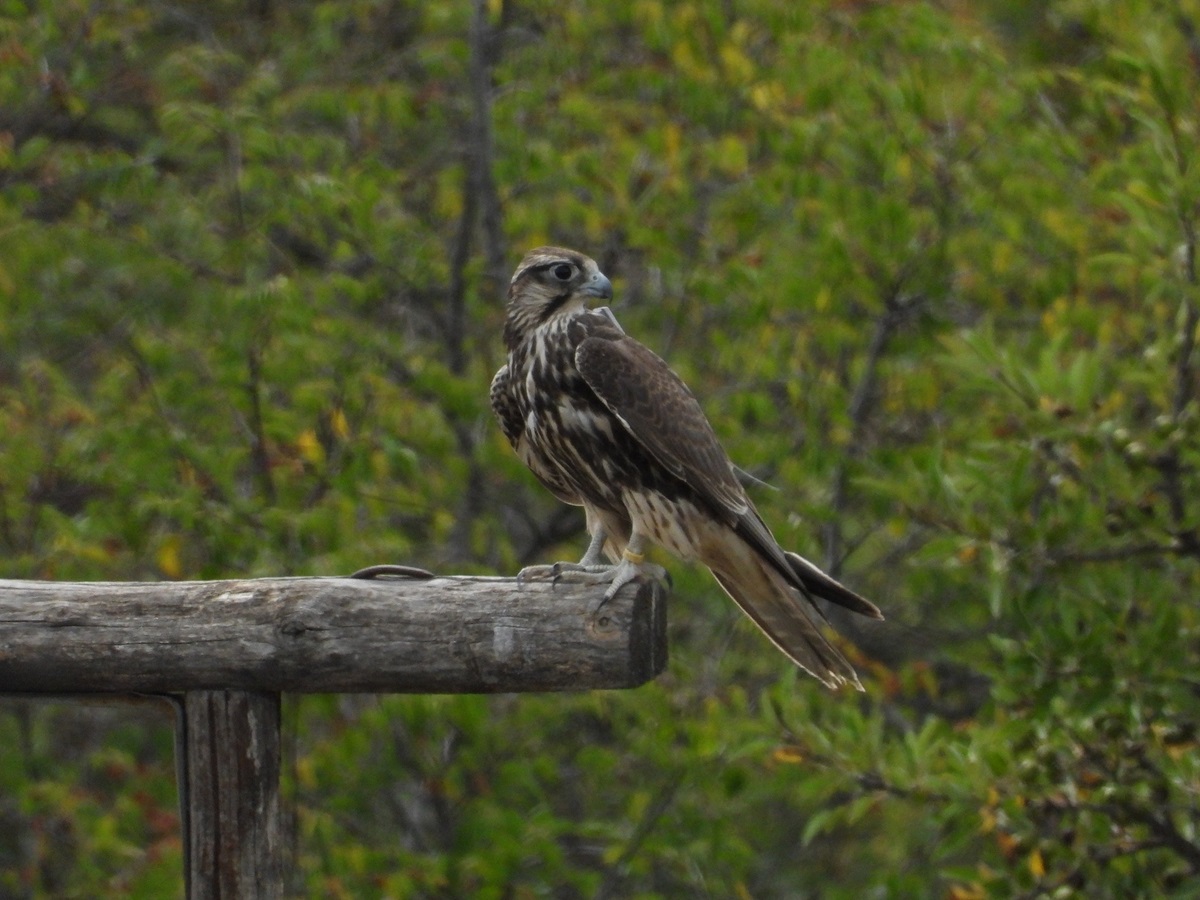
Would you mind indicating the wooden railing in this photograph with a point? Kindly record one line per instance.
(223, 651)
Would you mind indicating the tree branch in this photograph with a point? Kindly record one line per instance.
(897, 308)
(650, 817)
(258, 436)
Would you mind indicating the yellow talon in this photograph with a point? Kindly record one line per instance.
(636, 558)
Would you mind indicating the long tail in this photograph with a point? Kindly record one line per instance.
(788, 618)
(814, 581)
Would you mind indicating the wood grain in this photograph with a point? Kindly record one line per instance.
(230, 797)
(316, 635)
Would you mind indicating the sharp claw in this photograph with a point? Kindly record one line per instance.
(615, 576)
(563, 571)
(534, 573)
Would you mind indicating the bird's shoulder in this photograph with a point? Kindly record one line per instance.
(594, 324)
(660, 412)
(625, 369)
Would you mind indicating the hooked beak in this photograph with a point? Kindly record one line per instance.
(599, 286)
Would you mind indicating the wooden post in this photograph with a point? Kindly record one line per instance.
(230, 647)
(229, 797)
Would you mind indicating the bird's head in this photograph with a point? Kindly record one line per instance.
(550, 282)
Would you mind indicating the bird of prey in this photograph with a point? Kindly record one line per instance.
(605, 424)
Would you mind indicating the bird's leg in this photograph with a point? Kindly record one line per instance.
(595, 548)
(633, 558)
(631, 567)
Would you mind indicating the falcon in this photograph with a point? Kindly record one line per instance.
(604, 423)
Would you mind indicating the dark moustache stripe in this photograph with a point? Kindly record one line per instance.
(554, 306)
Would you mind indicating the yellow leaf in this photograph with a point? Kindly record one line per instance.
(1111, 404)
(737, 65)
(337, 421)
(967, 892)
(788, 754)
(1179, 751)
(1059, 224)
(1037, 866)
(448, 194)
(649, 13)
(306, 772)
(1139, 191)
(1003, 255)
(987, 821)
(168, 556)
(380, 465)
(674, 140)
(768, 96)
(310, 448)
(1007, 843)
(687, 62)
(732, 156)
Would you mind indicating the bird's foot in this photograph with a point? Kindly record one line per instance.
(577, 573)
(627, 570)
(632, 566)
(615, 576)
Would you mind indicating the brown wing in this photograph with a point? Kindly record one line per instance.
(659, 410)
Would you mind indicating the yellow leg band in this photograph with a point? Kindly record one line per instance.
(636, 558)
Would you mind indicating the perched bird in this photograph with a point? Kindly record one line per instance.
(605, 424)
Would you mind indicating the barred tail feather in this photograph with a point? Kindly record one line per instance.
(814, 581)
(789, 620)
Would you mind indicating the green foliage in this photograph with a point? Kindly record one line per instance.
(932, 270)
(83, 820)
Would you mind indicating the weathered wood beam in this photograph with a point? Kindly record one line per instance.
(229, 796)
(442, 635)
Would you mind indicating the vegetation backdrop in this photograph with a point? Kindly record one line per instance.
(931, 268)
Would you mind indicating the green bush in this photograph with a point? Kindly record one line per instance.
(932, 270)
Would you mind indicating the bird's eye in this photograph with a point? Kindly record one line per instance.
(563, 271)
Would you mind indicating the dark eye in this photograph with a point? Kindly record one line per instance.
(563, 271)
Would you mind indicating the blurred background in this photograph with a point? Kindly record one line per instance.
(931, 268)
